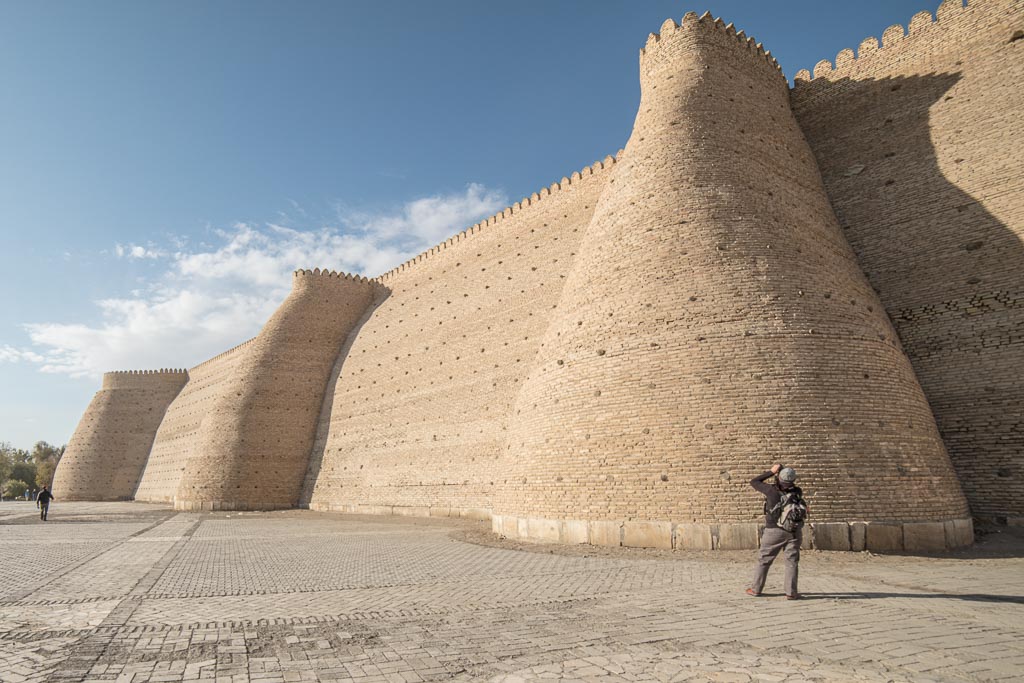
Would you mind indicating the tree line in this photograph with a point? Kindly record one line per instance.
(22, 470)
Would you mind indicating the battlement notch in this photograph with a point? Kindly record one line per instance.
(583, 175)
(662, 47)
(896, 37)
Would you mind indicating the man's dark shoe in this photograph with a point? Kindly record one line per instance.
(750, 591)
(793, 597)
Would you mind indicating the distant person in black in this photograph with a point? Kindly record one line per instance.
(43, 502)
(774, 538)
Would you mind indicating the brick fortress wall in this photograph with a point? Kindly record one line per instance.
(107, 453)
(918, 141)
(253, 446)
(178, 435)
(714, 321)
(580, 364)
(418, 411)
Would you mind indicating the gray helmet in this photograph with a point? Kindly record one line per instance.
(787, 474)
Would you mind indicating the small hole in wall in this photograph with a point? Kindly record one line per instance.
(1017, 35)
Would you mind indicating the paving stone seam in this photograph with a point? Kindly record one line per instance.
(12, 598)
(85, 654)
(379, 615)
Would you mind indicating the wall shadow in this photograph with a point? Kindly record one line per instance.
(967, 597)
(949, 272)
(316, 456)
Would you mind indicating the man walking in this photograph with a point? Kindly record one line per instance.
(784, 513)
(43, 502)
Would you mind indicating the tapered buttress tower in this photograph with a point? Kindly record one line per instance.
(716, 321)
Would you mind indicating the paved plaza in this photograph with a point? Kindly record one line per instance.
(138, 593)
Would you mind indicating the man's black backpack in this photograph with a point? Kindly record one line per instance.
(790, 512)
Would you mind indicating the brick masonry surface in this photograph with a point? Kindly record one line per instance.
(827, 275)
(737, 327)
(107, 454)
(138, 593)
(177, 437)
(917, 140)
(253, 446)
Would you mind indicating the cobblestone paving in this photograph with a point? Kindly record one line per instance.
(137, 593)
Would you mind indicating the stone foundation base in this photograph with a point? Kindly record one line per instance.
(855, 536)
(402, 510)
(225, 505)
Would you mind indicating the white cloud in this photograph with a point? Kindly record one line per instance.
(134, 251)
(212, 296)
(10, 354)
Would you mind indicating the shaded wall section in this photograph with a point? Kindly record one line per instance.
(716, 321)
(919, 143)
(178, 436)
(253, 446)
(417, 415)
(106, 455)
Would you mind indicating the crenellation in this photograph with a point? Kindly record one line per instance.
(937, 32)
(534, 199)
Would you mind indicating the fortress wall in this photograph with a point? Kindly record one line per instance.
(716, 321)
(108, 450)
(253, 445)
(416, 416)
(918, 141)
(178, 435)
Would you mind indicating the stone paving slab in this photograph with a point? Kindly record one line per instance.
(138, 593)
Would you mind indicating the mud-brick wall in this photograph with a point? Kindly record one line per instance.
(108, 450)
(714, 322)
(253, 446)
(177, 438)
(919, 142)
(417, 414)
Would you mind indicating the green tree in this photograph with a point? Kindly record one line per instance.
(45, 458)
(14, 488)
(6, 461)
(24, 471)
(44, 473)
(43, 451)
(36, 467)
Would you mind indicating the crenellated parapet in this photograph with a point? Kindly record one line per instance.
(131, 379)
(107, 453)
(595, 172)
(923, 32)
(663, 48)
(327, 276)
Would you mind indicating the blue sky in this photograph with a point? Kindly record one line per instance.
(165, 165)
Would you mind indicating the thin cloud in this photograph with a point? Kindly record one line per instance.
(9, 354)
(135, 251)
(213, 295)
